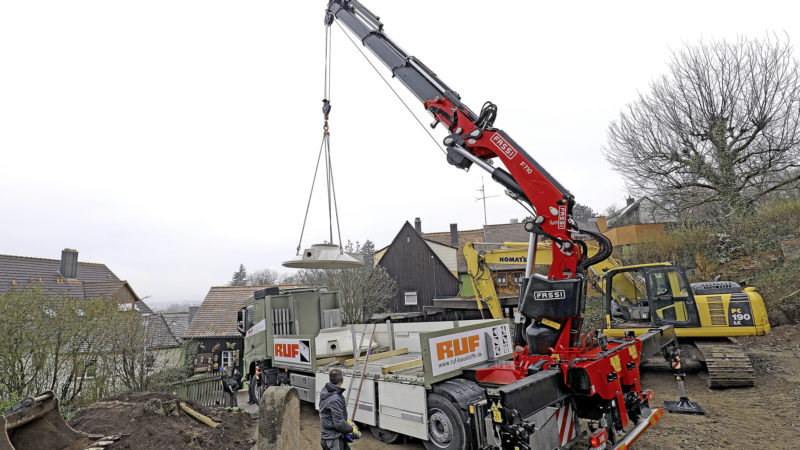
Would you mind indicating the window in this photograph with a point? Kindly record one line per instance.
(227, 359)
(249, 315)
(411, 297)
(501, 278)
(150, 360)
(518, 278)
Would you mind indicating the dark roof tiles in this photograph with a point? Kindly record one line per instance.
(177, 322)
(217, 315)
(17, 270)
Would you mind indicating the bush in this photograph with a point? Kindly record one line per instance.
(702, 244)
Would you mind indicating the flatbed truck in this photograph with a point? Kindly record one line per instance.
(424, 381)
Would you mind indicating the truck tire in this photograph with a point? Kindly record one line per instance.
(446, 430)
(386, 436)
(257, 390)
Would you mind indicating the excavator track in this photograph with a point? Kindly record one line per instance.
(727, 363)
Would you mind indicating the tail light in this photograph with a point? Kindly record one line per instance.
(599, 437)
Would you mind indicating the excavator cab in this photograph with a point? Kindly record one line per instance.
(670, 299)
(649, 295)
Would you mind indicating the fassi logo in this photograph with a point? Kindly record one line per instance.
(503, 146)
(287, 350)
(457, 347)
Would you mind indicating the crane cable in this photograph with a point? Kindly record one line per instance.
(325, 148)
(390, 87)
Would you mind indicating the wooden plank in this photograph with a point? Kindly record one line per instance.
(377, 356)
(401, 366)
(199, 416)
(335, 359)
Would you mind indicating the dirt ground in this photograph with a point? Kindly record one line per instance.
(766, 416)
(159, 425)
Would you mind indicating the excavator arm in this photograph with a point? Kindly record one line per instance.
(516, 253)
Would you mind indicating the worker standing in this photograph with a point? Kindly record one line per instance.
(231, 384)
(336, 430)
(236, 384)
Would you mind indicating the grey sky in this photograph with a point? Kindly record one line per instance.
(174, 140)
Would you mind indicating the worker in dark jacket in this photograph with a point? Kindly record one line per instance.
(335, 428)
(236, 385)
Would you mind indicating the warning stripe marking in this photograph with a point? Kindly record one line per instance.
(565, 421)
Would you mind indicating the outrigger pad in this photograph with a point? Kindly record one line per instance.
(684, 406)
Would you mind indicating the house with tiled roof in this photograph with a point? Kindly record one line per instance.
(178, 323)
(489, 237)
(68, 277)
(422, 269)
(214, 324)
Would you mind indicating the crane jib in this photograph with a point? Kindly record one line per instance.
(411, 72)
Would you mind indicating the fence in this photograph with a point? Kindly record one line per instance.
(204, 389)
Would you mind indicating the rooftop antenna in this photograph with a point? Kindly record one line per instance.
(483, 197)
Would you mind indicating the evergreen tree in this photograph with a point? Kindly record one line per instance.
(368, 250)
(239, 277)
(582, 213)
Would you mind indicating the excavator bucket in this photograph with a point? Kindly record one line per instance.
(37, 423)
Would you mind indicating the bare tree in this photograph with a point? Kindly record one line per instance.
(264, 277)
(720, 128)
(82, 349)
(363, 291)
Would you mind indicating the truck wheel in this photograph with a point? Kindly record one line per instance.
(257, 390)
(389, 437)
(446, 429)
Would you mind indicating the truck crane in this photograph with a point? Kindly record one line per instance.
(460, 386)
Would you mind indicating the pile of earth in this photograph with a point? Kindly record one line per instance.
(154, 421)
(785, 336)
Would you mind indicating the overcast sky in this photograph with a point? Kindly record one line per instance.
(173, 140)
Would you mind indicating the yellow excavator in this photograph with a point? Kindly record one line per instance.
(640, 297)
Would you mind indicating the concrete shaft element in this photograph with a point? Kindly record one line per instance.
(279, 419)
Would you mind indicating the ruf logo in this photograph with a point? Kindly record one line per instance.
(503, 146)
(457, 347)
(287, 350)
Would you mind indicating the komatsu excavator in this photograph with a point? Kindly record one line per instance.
(705, 315)
(637, 298)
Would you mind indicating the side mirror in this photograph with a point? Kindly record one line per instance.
(240, 322)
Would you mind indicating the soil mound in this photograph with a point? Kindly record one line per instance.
(785, 336)
(153, 420)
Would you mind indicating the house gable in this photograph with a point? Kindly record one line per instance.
(414, 265)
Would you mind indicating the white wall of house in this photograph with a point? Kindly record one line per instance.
(446, 254)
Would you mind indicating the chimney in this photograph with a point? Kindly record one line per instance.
(629, 200)
(514, 220)
(454, 234)
(192, 312)
(69, 263)
(418, 225)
